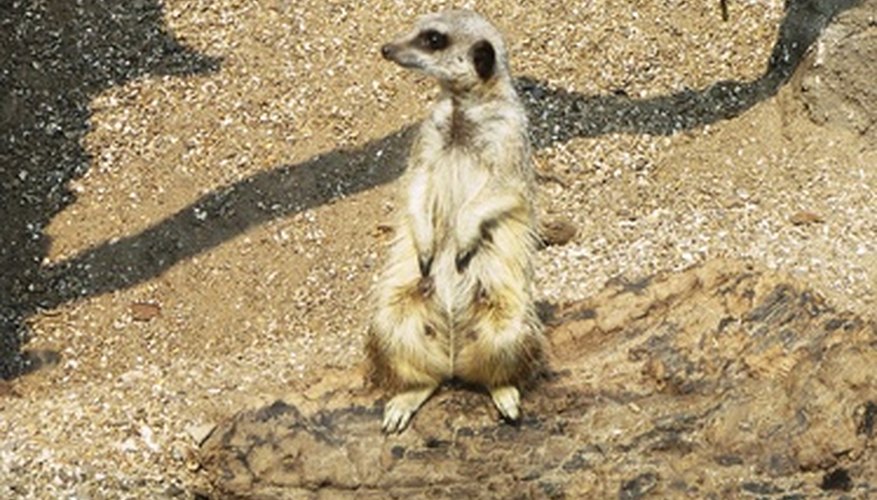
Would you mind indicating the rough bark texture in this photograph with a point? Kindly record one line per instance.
(719, 381)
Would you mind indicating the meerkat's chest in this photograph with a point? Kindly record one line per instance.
(457, 177)
(453, 158)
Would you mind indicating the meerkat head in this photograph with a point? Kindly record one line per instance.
(459, 48)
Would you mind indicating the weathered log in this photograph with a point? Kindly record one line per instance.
(721, 380)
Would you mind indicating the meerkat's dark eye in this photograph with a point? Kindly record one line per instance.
(433, 40)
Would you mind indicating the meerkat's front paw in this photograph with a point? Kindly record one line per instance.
(469, 240)
(508, 401)
(467, 244)
(401, 408)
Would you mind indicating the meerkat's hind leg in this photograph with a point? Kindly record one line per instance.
(400, 409)
(507, 399)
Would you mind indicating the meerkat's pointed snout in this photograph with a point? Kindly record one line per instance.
(401, 54)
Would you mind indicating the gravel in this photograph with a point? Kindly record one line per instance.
(198, 205)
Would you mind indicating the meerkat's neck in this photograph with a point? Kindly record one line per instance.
(499, 88)
(469, 108)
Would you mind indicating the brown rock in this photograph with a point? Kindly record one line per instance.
(803, 218)
(837, 84)
(557, 231)
(144, 311)
(721, 380)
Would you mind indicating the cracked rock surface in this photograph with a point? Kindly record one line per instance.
(719, 381)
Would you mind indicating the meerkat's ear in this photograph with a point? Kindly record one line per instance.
(484, 59)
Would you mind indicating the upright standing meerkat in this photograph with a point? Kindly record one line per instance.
(454, 299)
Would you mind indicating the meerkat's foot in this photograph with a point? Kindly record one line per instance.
(399, 410)
(507, 400)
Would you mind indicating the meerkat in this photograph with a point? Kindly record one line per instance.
(454, 300)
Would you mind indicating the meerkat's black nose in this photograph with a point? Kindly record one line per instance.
(387, 51)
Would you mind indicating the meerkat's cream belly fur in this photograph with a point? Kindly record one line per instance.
(456, 324)
(448, 341)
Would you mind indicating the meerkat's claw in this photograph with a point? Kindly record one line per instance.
(395, 419)
(508, 401)
(399, 410)
(462, 260)
(425, 263)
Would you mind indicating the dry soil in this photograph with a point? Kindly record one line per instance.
(197, 192)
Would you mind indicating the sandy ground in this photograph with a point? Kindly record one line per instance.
(227, 223)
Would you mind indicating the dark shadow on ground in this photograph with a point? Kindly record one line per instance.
(51, 81)
(558, 116)
(55, 56)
